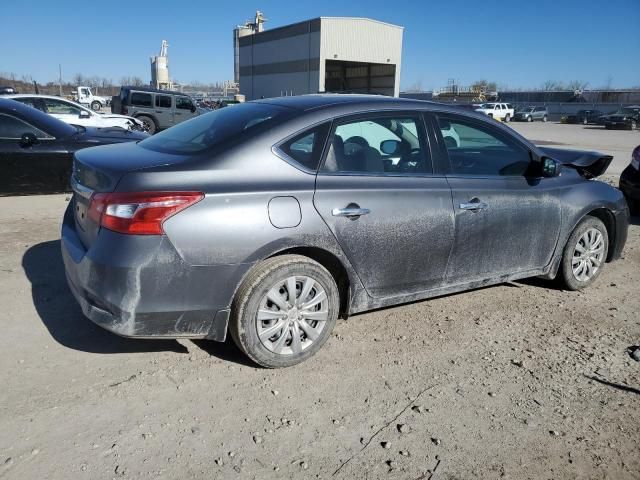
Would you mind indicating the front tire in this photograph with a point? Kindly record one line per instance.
(584, 254)
(284, 311)
(507, 118)
(544, 119)
(149, 124)
(529, 118)
(95, 106)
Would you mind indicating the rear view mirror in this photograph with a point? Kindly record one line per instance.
(550, 167)
(28, 139)
(389, 147)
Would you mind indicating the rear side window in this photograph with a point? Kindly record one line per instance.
(139, 99)
(306, 148)
(214, 129)
(163, 101)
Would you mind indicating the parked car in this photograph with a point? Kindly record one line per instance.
(627, 118)
(157, 109)
(529, 114)
(585, 117)
(499, 111)
(630, 182)
(271, 219)
(76, 114)
(36, 149)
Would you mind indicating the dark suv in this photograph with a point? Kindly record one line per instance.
(157, 109)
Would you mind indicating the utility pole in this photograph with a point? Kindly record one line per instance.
(60, 77)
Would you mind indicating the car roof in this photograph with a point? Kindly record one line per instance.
(153, 90)
(327, 100)
(36, 95)
(35, 117)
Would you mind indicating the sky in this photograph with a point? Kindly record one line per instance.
(517, 43)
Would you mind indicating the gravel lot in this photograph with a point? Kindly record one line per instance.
(518, 381)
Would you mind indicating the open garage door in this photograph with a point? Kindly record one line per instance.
(359, 77)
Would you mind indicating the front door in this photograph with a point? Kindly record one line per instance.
(506, 222)
(389, 212)
(42, 166)
(185, 109)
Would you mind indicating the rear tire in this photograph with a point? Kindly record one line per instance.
(544, 119)
(507, 118)
(585, 121)
(584, 254)
(273, 327)
(95, 106)
(149, 124)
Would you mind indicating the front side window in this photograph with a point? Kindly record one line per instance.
(12, 128)
(306, 148)
(184, 103)
(58, 107)
(217, 127)
(163, 101)
(392, 145)
(139, 99)
(476, 149)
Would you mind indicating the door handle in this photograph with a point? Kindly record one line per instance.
(474, 205)
(351, 212)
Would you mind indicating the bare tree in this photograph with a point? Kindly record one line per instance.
(577, 85)
(78, 79)
(552, 85)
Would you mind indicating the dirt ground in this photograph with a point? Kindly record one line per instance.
(520, 381)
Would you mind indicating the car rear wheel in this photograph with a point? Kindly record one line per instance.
(284, 311)
(544, 119)
(585, 254)
(149, 124)
(507, 118)
(584, 121)
(95, 106)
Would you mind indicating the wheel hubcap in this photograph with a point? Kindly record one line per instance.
(588, 255)
(292, 314)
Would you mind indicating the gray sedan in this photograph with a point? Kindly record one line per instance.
(272, 219)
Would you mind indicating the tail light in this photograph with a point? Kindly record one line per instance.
(139, 213)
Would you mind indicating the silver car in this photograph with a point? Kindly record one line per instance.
(272, 219)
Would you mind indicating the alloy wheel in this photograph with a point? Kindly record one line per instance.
(292, 314)
(588, 255)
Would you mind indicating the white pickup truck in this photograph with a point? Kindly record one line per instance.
(499, 111)
(84, 96)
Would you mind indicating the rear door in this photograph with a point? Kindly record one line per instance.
(505, 221)
(388, 208)
(164, 110)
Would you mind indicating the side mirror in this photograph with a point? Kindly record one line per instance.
(389, 147)
(28, 139)
(551, 167)
(84, 114)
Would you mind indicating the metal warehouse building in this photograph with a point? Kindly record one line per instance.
(326, 54)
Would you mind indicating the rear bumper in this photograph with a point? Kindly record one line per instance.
(139, 286)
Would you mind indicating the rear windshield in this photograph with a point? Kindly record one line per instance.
(213, 128)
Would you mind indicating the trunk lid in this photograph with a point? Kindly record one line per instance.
(99, 169)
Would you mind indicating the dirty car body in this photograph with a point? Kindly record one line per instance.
(364, 186)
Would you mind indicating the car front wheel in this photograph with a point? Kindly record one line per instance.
(284, 311)
(584, 254)
(544, 119)
(529, 118)
(95, 106)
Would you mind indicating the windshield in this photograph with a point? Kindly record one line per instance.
(213, 128)
(488, 105)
